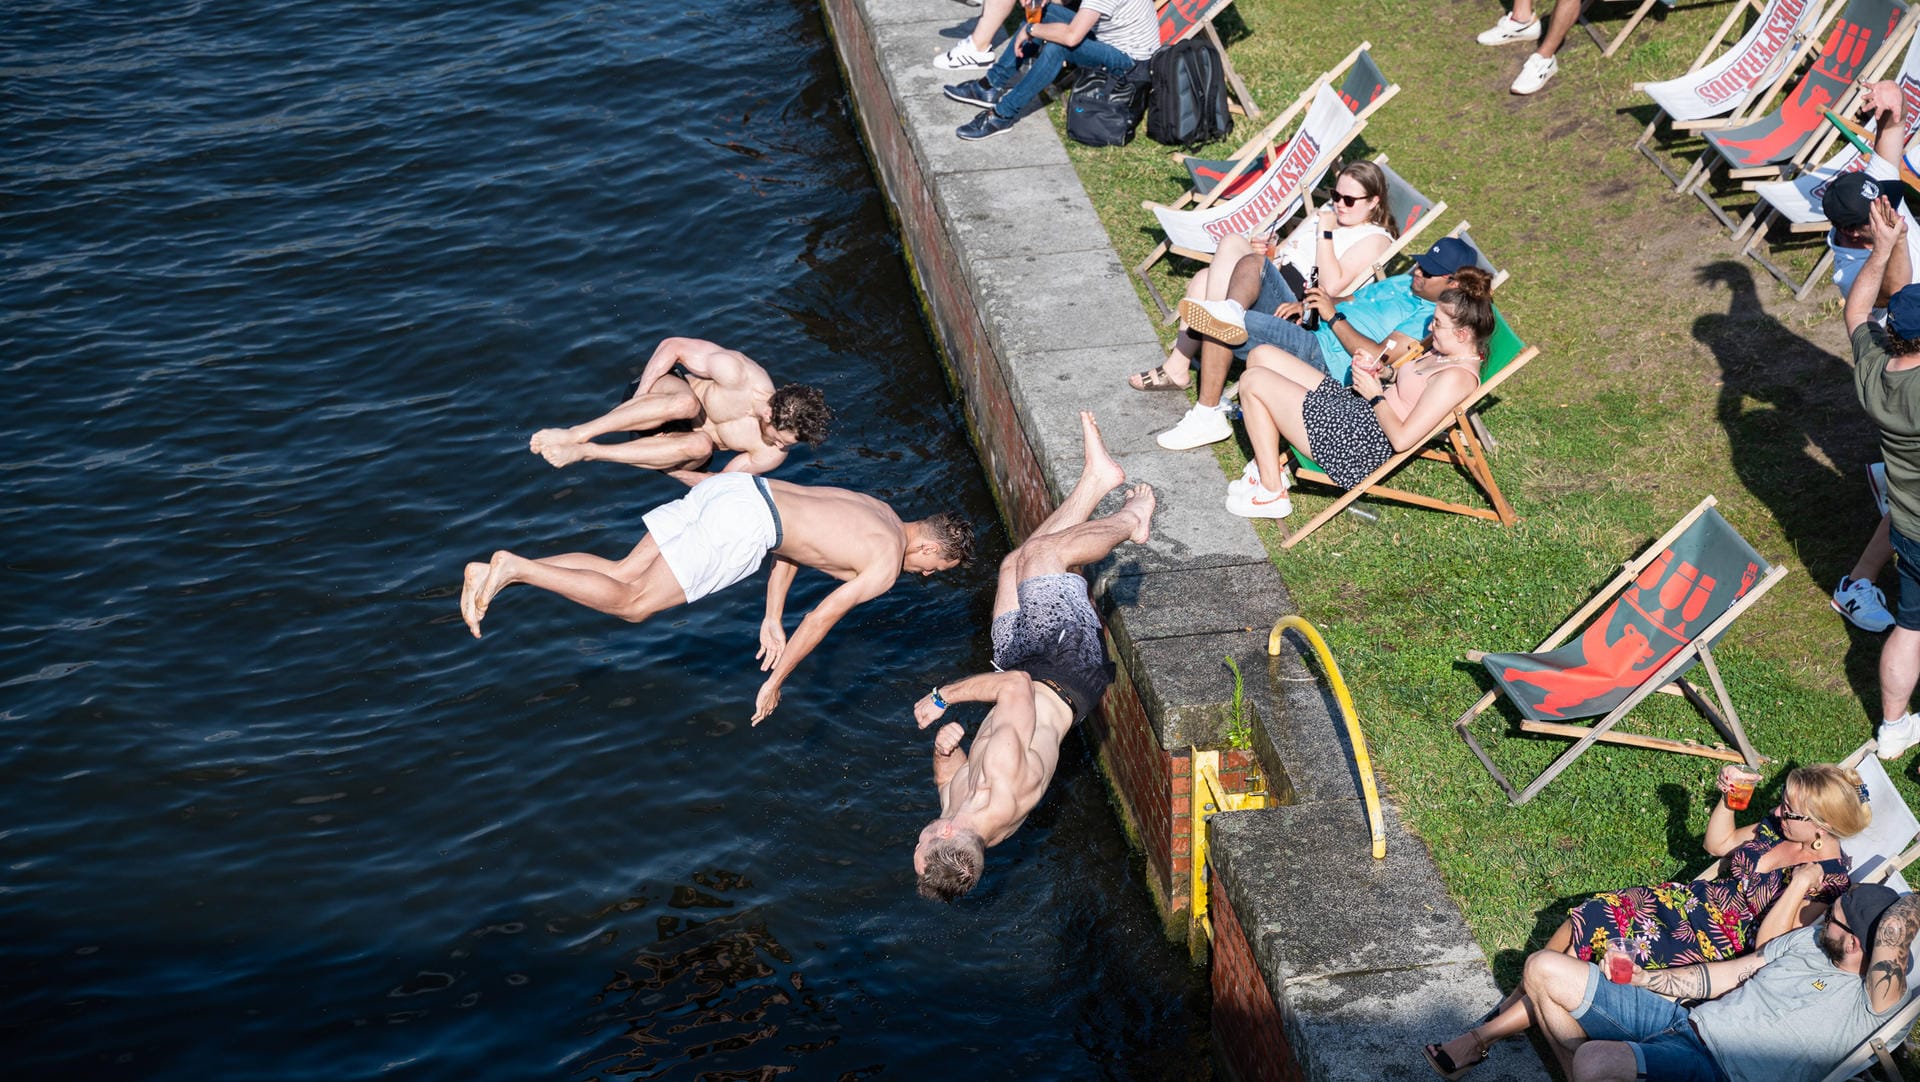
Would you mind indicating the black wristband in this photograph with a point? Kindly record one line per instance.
(1326, 234)
(1338, 317)
(1376, 400)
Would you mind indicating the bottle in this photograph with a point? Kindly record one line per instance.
(1311, 321)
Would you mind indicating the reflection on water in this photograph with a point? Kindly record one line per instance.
(289, 285)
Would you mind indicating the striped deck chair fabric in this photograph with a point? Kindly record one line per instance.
(1363, 85)
(1858, 37)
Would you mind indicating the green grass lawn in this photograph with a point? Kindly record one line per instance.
(1670, 368)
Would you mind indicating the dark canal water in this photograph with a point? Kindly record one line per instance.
(286, 286)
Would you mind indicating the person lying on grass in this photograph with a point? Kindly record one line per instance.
(1779, 874)
(1352, 432)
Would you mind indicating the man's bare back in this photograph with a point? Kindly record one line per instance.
(725, 401)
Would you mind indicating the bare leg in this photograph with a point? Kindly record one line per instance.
(1523, 11)
(666, 451)
(671, 400)
(1565, 14)
(1555, 984)
(1271, 399)
(1243, 287)
(632, 589)
(1088, 542)
(1099, 475)
(1873, 558)
(993, 16)
(1899, 670)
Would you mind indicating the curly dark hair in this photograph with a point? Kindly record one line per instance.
(1901, 347)
(803, 411)
(954, 533)
(953, 868)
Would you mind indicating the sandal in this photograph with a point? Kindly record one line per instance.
(1444, 1066)
(1154, 379)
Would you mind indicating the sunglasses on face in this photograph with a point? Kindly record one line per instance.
(1841, 924)
(1347, 200)
(1789, 813)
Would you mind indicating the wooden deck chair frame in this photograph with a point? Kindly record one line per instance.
(1764, 86)
(1241, 101)
(1464, 448)
(1247, 154)
(1609, 46)
(1699, 176)
(1666, 679)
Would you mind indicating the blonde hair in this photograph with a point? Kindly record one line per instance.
(1831, 794)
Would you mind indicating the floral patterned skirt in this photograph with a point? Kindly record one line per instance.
(1672, 924)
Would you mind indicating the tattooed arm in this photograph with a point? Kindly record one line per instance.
(1892, 950)
(1707, 980)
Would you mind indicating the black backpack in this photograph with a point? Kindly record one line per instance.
(1188, 105)
(1105, 107)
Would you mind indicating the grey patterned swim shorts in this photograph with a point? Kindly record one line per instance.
(1054, 636)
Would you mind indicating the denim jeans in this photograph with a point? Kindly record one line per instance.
(1043, 69)
(1266, 329)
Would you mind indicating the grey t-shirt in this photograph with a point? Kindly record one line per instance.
(1793, 1020)
(1892, 402)
(1131, 26)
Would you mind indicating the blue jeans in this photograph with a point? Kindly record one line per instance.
(1266, 329)
(1043, 69)
(1665, 1047)
(1907, 604)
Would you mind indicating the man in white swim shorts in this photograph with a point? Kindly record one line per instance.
(695, 398)
(717, 535)
(1051, 668)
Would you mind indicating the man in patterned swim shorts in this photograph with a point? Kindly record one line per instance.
(1050, 667)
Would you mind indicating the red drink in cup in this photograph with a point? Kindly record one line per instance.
(1740, 785)
(1619, 963)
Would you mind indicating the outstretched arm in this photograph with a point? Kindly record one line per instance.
(865, 586)
(773, 628)
(987, 687)
(1892, 952)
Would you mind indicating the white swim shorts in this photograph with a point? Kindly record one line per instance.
(717, 534)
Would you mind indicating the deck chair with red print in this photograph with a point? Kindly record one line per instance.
(1859, 45)
(1182, 19)
(1640, 635)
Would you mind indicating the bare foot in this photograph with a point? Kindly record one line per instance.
(558, 446)
(1140, 502)
(1100, 466)
(469, 593)
(474, 600)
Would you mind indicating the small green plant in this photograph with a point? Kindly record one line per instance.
(1239, 718)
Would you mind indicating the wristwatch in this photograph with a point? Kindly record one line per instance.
(1338, 317)
(1326, 234)
(938, 702)
(1376, 400)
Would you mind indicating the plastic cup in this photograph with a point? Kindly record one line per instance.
(1740, 794)
(1619, 964)
(1035, 11)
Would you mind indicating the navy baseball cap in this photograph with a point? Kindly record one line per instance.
(1903, 312)
(1865, 903)
(1449, 254)
(1848, 197)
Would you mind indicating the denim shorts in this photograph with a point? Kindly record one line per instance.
(1907, 607)
(1266, 329)
(1665, 1047)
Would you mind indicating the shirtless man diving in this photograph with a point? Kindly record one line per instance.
(718, 534)
(1053, 669)
(728, 401)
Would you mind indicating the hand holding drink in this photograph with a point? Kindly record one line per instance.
(1737, 783)
(1618, 963)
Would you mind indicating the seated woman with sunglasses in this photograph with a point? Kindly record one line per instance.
(1352, 432)
(1777, 875)
(1340, 245)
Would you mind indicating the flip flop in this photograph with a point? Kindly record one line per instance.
(1154, 379)
(1444, 1066)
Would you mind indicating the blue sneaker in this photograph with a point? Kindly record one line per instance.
(976, 92)
(986, 124)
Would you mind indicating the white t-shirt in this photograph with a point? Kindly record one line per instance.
(1131, 26)
(1303, 247)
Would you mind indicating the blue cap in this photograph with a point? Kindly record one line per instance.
(1903, 312)
(1449, 254)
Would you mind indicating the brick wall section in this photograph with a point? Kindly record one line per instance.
(1248, 1035)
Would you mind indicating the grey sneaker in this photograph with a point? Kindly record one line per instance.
(974, 92)
(986, 124)
(1862, 603)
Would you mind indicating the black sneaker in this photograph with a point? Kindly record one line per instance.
(976, 92)
(987, 123)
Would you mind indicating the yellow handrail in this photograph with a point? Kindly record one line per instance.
(1367, 788)
(1209, 796)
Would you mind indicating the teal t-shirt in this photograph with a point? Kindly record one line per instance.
(1376, 310)
(1892, 401)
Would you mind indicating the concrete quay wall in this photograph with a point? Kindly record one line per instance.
(1327, 965)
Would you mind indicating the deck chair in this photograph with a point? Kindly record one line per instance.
(1796, 201)
(1891, 842)
(1182, 19)
(1719, 92)
(1860, 41)
(1411, 211)
(1274, 197)
(1640, 634)
(1462, 447)
(1878, 1049)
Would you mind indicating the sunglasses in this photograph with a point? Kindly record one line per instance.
(1347, 200)
(1785, 813)
(1841, 923)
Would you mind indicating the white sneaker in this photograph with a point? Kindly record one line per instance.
(1250, 478)
(1223, 321)
(1895, 737)
(964, 57)
(1202, 425)
(1862, 603)
(1535, 73)
(1256, 502)
(1507, 31)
